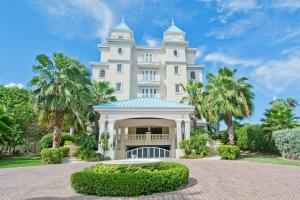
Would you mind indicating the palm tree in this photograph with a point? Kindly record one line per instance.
(104, 139)
(101, 92)
(228, 98)
(194, 97)
(59, 87)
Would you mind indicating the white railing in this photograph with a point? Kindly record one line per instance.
(138, 95)
(147, 137)
(148, 152)
(141, 59)
(148, 78)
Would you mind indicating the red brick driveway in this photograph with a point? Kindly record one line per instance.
(209, 179)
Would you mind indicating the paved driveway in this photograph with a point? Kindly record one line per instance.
(209, 179)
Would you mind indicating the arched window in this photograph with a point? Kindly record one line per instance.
(193, 77)
(120, 50)
(102, 73)
(175, 52)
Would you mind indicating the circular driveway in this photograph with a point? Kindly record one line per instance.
(209, 179)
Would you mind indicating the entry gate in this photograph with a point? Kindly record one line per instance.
(148, 152)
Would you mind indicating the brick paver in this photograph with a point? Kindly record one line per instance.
(209, 179)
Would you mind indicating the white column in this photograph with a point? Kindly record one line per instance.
(187, 129)
(111, 130)
(101, 124)
(178, 133)
(123, 142)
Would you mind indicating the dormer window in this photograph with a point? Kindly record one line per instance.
(175, 52)
(102, 73)
(120, 50)
(176, 70)
(193, 77)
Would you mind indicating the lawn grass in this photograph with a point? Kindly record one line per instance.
(20, 161)
(265, 158)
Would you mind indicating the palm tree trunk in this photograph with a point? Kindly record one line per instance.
(230, 129)
(59, 115)
(97, 116)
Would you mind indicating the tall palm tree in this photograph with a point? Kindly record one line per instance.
(194, 97)
(59, 87)
(100, 92)
(229, 98)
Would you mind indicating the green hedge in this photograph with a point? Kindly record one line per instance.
(51, 156)
(46, 141)
(230, 152)
(64, 151)
(288, 142)
(129, 180)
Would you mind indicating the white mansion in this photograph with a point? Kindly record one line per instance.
(147, 120)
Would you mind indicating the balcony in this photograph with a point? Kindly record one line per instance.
(147, 139)
(148, 80)
(138, 95)
(141, 62)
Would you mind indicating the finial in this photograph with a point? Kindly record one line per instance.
(173, 21)
(123, 19)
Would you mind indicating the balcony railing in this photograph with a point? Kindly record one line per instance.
(138, 95)
(139, 137)
(142, 60)
(148, 78)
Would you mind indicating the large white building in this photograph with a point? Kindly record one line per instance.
(147, 120)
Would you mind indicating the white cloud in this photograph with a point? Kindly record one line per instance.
(200, 52)
(12, 84)
(286, 4)
(232, 6)
(68, 13)
(152, 42)
(229, 60)
(278, 75)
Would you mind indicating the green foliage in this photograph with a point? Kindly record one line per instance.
(46, 141)
(87, 144)
(280, 116)
(88, 155)
(128, 180)
(64, 151)
(230, 152)
(104, 139)
(288, 142)
(196, 145)
(228, 98)
(60, 88)
(51, 156)
(68, 142)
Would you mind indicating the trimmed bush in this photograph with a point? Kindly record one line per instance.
(51, 156)
(230, 152)
(87, 155)
(46, 141)
(129, 180)
(64, 151)
(288, 142)
(196, 146)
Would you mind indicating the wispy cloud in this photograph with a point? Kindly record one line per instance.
(220, 58)
(230, 7)
(279, 75)
(151, 41)
(12, 84)
(286, 4)
(66, 14)
(200, 52)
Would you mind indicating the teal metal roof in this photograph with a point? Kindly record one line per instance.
(174, 28)
(143, 103)
(122, 26)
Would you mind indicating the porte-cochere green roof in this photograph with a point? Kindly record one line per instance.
(143, 103)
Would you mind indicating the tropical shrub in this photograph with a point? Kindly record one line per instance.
(68, 142)
(230, 152)
(87, 155)
(129, 180)
(46, 141)
(64, 151)
(288, 142)
(51, 156)
(196, 145)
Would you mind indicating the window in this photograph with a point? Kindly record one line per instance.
(102, 73)
(176, 70)
(120, 37)
(118, 87)
(177, 88)
(175, 52)
(148, 57)
(149, 92)
(119, 68)
(193, 77)
(120, 50)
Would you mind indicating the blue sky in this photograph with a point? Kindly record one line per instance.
(260, 38)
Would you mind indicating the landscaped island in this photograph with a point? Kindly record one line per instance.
(130, 180)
